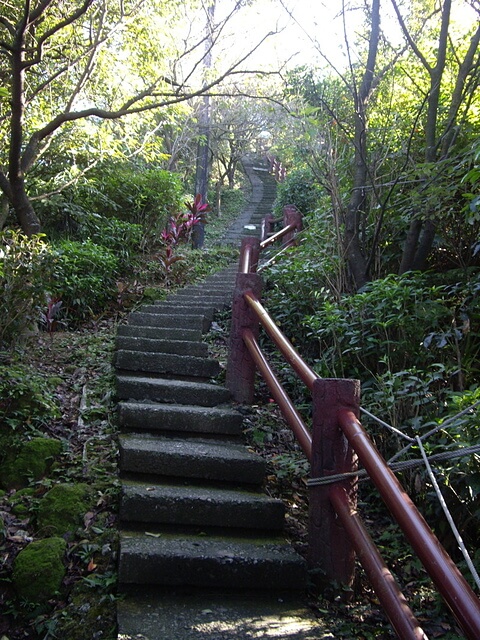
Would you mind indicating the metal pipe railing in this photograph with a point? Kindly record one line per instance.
(391, 598)
(452, 586)
(277, 236)
(455, 590)
(246, 260)
(279, 395)
(306, 374)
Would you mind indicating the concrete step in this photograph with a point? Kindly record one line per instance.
(219, 301)
(219, 287)
(151, 345)
(166, 363)
(187, 505)
(209, 561)
(160, 333)
(169, 320)
(171, 391)
(186, 614)
(156, 417)
(185, 308)
(190, 458)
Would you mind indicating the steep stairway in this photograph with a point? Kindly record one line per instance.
(262, 197)
(200, 542)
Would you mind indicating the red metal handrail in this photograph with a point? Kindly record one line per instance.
(279, 395)
(449, 581)
(306, 374)
(277, 236)
(246, 260)
(392, 599)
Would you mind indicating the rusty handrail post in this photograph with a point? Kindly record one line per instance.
(330, 548)
(453, 587)
(386, 588)
(240, 378)
(292, 216)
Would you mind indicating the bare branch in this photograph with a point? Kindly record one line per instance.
(409, 38)
(55, 29)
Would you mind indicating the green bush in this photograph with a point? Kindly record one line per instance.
(124, 239)
(148, 197)
(25, 266)
(299, 189)
(84, 278)
(382, 328)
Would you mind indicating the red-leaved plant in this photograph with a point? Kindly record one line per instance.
(179, 230)
(49, 316)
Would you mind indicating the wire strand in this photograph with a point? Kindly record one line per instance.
(448, 515)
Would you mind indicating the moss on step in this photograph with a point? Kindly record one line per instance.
(31, 460)
(62, 508)
(39, 570)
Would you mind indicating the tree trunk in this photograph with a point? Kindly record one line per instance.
(410, 246)
(356, 208)
(421, 234)
(26, 216)
(4, 208)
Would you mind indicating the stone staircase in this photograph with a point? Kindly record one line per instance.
(198, 534)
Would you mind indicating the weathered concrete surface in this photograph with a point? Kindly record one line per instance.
(160, 333)
(152, 345)
(171, 391)
(170, 320)
(166, 363)
(190, 458)
(217, 616)
(209, 561)
(192, 505)
(146, 416)
(199, 482)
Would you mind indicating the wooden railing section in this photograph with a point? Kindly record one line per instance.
(335, 443)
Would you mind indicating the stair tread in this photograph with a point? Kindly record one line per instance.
(187, 615)
(180, 417)
(190, 458)
(204, 506)
(168, 363)
(173, 333)
(203, 560)
(192, 409)
(168, 390)
(158, 345)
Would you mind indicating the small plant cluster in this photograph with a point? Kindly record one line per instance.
(179, 231)
(25, 268)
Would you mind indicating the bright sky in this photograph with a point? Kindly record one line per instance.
(312, 28)
(307, 27)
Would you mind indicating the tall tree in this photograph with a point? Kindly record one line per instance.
(439, 132)
(62, 63)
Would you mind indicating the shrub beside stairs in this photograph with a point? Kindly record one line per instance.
(202, 550)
